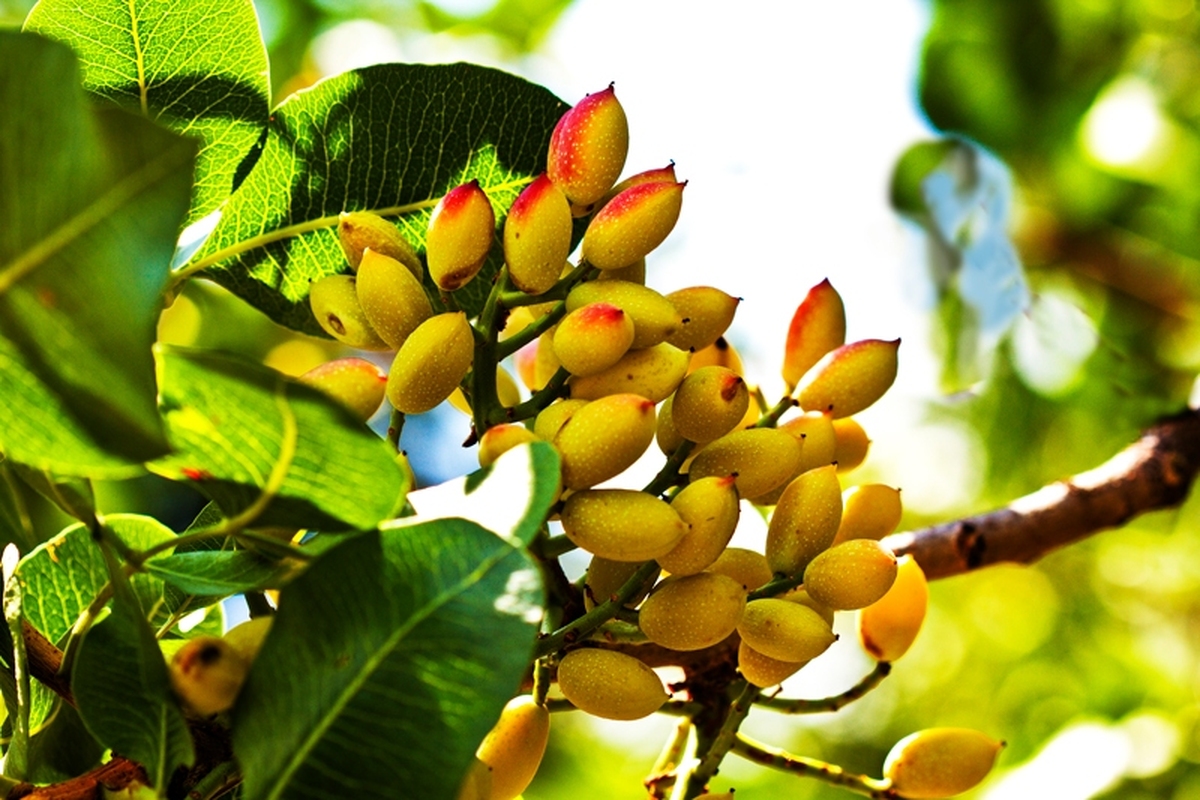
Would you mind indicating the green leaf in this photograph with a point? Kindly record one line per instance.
(510, 498)
(199, 68)
(243, 434)
(219, 572)
(391, 139)
(91, 202)
(63, 749)
(73, 495)
(121, 686)
(388, 661)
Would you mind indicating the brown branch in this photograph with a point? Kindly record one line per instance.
(44, 662)
(1154, 472)
(115, 775)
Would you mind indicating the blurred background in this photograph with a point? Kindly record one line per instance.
(1008, 187)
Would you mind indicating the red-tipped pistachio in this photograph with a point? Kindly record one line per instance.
(537, 236)
(499, 439)
(818, 326)
(850, 378)
(653, 316)
(588, 148)
(354, 382)
(761, 458)
(709, 403)
(632, 224)
(592, 338)
(460, 235)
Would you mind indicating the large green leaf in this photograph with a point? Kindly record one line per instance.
(392, 139)
(510, 498)
(199, 67)
(244, 434)
(388, 661)
(15, 525)
(91, 202)
(123, 692)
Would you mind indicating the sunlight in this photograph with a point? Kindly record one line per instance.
(1125, 128)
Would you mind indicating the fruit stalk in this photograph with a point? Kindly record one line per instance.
(832, 703)
(832, 774)
(582, 626)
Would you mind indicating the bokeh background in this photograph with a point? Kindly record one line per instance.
(1009, 187)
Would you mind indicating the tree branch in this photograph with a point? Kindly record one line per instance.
(1154, 472)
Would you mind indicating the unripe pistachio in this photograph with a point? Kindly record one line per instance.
(634, 273)
(247, 637)
(889, 626)
(605, 577)
(710, 508)
(354, 382)
(747, 567)
(870, 511)
(460, 235)
(719, 354)
(588, 148)
(514, 748)
(545, 361)
(362, 230)
(334, 303)
(432, 362)
(632, 224)
(207, 674)
(762, 670)
(499, 439)
(851, 445)
(604, 438)
(621, 524)
(592, 338)
(477, 783)
(709, 403)
(525, 360)
(853, 574)
(815, 431)
(692, 612)
(391, 298)
(653, 316)
(817, 327)
(940, 762)
(785, 631)
(706, 313)
(665, 434)
(798, 595)
(805, 520)
(537, 236)
(761, 458)
(506, 392)
(551, 419)
(652, 373)
(850, 378)
(605, 683)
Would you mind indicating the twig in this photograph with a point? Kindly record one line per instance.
(769, 756)
(787, 706)
(1154, 472)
